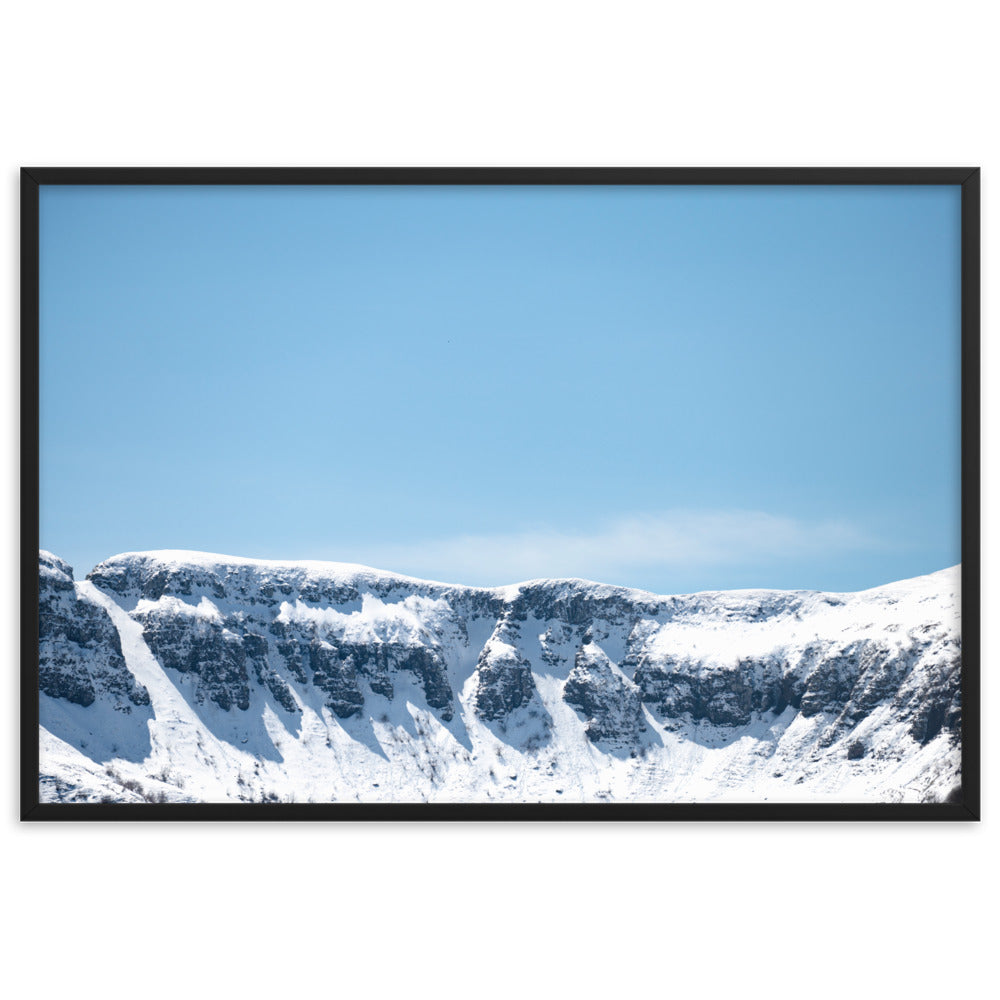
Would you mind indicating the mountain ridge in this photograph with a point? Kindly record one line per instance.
(315, 679)
(193, 558)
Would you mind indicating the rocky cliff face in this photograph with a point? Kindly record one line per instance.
(336, 681)
(80, 655)
(608, 700)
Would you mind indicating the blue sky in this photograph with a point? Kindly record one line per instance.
(674, 388)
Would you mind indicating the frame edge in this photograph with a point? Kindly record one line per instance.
(971, 500)
(29, 513)
(500, 175)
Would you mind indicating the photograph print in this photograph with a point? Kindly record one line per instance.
(481, 493)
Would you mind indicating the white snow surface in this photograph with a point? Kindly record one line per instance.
(402, 750)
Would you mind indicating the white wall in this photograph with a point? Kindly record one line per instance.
(818, 910)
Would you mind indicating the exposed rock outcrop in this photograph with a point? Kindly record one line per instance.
(609, 700)
(80, 654)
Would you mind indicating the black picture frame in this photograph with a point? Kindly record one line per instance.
(967, 805)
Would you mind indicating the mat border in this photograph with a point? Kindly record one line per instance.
(966, 808)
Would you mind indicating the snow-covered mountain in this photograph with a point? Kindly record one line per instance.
(183, 676)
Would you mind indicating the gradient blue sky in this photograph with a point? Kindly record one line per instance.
(675, 388)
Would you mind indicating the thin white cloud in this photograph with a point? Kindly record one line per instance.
(672, 541)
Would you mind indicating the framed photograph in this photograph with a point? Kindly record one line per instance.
(500, 494)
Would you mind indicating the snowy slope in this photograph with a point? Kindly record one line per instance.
(272, 681)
